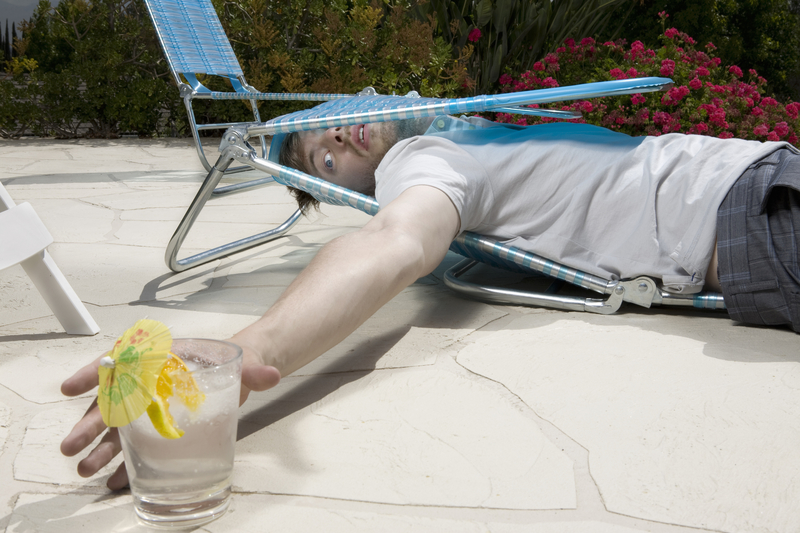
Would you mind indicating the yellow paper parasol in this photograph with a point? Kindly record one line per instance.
(129, 373)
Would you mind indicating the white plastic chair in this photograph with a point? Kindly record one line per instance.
(23, 241)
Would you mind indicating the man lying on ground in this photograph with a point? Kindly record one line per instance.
(596, 200)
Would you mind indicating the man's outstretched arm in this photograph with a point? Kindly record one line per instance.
(352, 277)
(349, 279)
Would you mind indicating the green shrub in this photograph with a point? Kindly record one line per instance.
(92, 65)
(499, 35)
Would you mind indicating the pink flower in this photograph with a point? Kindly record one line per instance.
(677, 94)
(561, 50)
(782, 129)
(670, 33)
(667, 67)
(505, 79)
(749, 102)
(757, 111)
(551, 58)
(587, 41)
(549, 82)
(725, 135)
(702, 127)
(617, 74)
(637, 99)
(701, 71)
(637, 46)
(793, 109)
(696, 84)
(710, 46)
(587, 107)
(769, 101)
(569, 42)
(660, 117)
(753, 72)
(474, 35)
(772, 136)
(736, 71)
(792, 139)
(761, 130)
(538, 66)
(663, 14)
(717, 61)
(717, 117)
(632, 73)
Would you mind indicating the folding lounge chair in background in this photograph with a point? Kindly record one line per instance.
(23, 241)
(364, 109)
(194, 42)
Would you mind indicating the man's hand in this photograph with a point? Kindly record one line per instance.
(255, 377)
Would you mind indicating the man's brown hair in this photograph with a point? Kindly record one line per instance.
(290, 156)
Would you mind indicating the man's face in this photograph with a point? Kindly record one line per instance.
(349, 155)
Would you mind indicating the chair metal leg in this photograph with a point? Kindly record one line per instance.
(514, 297)
(215, 174)
(640, 291)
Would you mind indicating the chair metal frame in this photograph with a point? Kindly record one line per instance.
(642, 291)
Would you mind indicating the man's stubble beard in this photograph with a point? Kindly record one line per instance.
(399, 130)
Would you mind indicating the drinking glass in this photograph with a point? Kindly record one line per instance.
(185, 482)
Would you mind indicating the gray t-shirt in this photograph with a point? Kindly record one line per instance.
(599, 201)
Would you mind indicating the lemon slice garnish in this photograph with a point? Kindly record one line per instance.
(158, 411)
(176, 378)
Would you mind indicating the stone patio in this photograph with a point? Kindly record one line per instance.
(438, 415)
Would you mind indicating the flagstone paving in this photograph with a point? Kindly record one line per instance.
(438, 415)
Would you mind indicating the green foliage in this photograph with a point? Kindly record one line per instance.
(509, 35)
(93, 63)
(760, 34)
(334, 46)
(339, 46)
(98, 62)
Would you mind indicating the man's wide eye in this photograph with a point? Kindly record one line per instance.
(328, 160)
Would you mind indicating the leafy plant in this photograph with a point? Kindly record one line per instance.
(104, 70)
(511, 34)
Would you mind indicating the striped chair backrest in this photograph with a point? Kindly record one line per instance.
(192, 37)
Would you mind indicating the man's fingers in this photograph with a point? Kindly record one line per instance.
(258, 377)
(85, 431)
(103, 453)
(119, 479)
(82, 381)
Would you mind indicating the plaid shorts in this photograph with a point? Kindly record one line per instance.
(758, 226)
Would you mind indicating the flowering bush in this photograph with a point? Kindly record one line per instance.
(707, 98)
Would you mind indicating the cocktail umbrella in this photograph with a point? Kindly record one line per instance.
(129, 372)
